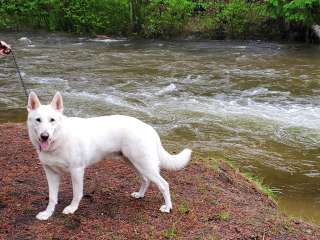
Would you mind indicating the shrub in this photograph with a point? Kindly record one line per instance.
(297, 11)
(166, 18)
(95, 16)
(230, 19)
(240, 18)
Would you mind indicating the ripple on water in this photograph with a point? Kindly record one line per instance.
(46, 80)
(170, 88)
(312, 174)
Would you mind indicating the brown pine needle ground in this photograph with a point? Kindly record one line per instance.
(208, 203)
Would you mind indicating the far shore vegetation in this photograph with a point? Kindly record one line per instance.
(211, 19)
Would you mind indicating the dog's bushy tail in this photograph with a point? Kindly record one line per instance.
(174, 162)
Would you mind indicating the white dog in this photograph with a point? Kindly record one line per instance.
(70, 144)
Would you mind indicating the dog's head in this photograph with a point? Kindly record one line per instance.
(44, 120)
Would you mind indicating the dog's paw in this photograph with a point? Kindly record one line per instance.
(165, 209)
(44, 215)
(69, 209)
(137, 195)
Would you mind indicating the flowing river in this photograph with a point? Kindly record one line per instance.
(252, 102)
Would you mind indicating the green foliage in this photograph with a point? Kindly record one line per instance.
(207, 20)
(166, 17)
(37, 13)
(161, 18)
(229, 19)
(4, 22)
(240, 18)
(299, 11)
(95, 16)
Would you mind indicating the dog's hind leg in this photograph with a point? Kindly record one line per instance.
(164, 189)
(146, 163)
(145, 182)
(153, 175)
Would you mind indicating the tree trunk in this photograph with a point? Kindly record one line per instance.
(136, 14)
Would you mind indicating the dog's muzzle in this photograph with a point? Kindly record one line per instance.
(44, 141)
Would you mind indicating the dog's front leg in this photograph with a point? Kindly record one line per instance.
(77, 186)
(53, 183)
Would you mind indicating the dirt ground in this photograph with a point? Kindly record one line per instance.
(208, 203)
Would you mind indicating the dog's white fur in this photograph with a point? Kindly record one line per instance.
(75, 143)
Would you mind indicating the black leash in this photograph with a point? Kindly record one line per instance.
(19, 73)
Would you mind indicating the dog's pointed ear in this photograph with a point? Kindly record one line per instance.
(57, 102)
(33, 102)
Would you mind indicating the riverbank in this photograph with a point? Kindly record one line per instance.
(210, 202)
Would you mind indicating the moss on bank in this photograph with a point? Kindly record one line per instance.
(217, 164)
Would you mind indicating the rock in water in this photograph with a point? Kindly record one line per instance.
(316, 30)
(25, 40)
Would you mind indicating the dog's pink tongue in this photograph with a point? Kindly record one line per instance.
(44, 146)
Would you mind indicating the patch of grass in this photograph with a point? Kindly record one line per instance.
(257, 181)
(184, 208)
(288, 226)
(170, 233)
(271, 193)
(231, 162)
(214, 164)
(224, 216)
(214, 201)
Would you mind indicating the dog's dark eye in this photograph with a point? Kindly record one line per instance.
(52, 119)
(38, 119)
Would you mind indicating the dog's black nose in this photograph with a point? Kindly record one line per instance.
(44, 136)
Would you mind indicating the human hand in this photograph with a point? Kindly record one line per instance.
(5, 48)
